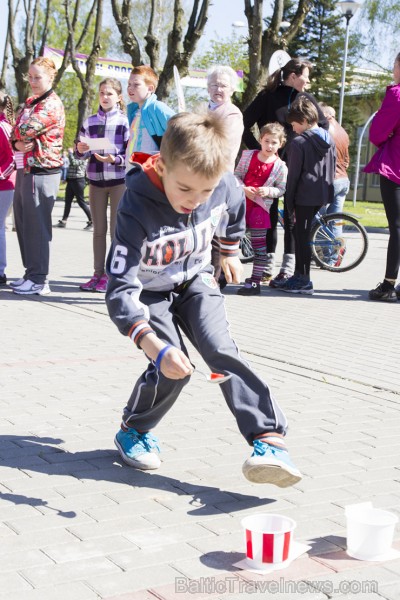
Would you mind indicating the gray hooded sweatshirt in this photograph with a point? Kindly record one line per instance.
(157, 249)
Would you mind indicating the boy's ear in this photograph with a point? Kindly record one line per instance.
(160, 167)
(152, 88)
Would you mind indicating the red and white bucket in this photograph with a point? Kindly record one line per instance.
(268, 539)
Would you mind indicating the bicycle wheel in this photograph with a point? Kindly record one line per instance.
(246, 250)
(338, 242)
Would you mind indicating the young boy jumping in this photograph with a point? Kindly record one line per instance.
(161, 285)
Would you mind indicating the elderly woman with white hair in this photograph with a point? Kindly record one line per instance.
(221, 84)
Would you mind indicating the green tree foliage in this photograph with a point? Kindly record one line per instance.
(382, 22)
(321, 40)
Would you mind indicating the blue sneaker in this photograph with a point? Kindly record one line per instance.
(139, 450)
(269, 464)
(297, 284)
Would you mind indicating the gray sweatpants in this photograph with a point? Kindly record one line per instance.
(39, 193)
(199, 312)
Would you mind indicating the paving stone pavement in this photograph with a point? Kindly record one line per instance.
(78, 524)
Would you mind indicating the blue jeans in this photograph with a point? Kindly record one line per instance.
(341, 188)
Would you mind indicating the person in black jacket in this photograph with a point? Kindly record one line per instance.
(311, 173)
(272, 104)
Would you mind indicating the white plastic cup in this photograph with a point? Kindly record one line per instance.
(370, 531)
(268, 538)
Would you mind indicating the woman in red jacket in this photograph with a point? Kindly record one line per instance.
(38, 133)
(385, 133)
(7, 175)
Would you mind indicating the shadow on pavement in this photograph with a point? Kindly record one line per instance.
(43, 456)
(347, 295)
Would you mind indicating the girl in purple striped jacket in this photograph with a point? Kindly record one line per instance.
(105, 171)
(263, 175)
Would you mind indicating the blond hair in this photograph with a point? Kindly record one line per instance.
(199, 141)
(47, 64)
(275, 129)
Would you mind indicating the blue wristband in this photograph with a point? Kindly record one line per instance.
(160, 356)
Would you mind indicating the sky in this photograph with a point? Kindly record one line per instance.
(217, 25)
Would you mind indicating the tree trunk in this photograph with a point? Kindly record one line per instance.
(122, 16)
(22, 60)
(175, 56)
(89, 90)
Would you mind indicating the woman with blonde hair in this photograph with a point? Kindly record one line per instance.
(38, 134)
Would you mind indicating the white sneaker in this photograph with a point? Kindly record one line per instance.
(30, 287)
(17, 283)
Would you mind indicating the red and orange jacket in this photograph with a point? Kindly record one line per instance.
(42, 121)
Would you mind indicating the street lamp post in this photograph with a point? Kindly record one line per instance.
(349, 9)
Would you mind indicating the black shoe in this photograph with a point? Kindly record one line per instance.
(3, 279)
(250, 289)
(384, 291)
(88, 226)
(61, 224)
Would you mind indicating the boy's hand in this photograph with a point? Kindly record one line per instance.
(174, 364)
(109, 158)
(232, 268)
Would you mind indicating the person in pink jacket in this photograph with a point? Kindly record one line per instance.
(7, 175)
(385, 134)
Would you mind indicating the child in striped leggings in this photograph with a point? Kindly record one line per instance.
(263, 175)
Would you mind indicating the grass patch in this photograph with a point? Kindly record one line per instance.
(371, 214)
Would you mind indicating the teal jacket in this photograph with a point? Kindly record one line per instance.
(155, 115)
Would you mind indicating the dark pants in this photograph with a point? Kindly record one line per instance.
(272, 233)
(390, 192)
(304, 219)
(76, 189)
(199, 312)
(39, 194)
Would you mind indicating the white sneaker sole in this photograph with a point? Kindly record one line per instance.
(277, 474)
(45, 291)
(149, 461)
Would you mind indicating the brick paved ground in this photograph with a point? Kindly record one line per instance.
(77, 524)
